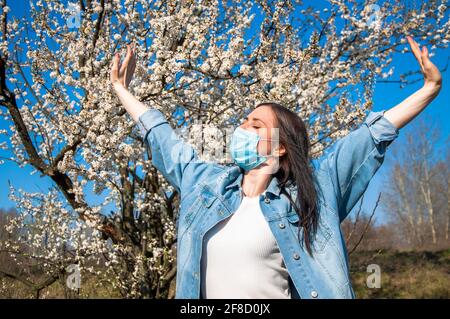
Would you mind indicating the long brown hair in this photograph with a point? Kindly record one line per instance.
(296, 170)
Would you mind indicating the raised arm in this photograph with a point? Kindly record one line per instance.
(355, 159)
(169, 154)
(121, 75)
(408, 109)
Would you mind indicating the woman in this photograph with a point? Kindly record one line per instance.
(269, 227)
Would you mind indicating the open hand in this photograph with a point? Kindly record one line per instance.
(123, 73)
(431, 73)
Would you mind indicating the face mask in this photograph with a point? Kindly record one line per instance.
(244, 149)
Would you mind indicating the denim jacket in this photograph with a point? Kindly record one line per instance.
(210, 192)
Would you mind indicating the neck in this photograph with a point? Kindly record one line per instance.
(255, 183)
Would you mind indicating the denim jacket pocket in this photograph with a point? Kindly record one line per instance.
(208, 197)
(322, 237)
(293, 218)
(192, 211)
(185, 220)
(203, 201)
(323, 234)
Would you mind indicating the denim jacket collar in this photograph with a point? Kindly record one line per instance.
(271, 188)
(238, 180)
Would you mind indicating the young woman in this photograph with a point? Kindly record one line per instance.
(269, 227)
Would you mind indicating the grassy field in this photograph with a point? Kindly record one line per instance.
(403, 274)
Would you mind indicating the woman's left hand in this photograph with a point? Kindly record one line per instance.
(432, 76)
(408, 109)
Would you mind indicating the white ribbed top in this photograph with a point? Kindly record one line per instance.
(241, 258)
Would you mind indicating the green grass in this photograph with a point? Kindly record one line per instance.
(403, 274)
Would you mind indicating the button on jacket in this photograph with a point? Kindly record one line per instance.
(211, 192)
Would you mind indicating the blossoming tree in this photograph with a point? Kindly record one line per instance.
(201, 61)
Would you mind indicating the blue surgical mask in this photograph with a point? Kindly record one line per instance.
(244, 149)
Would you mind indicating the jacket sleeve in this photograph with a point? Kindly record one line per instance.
(355, 158)
(169, 153)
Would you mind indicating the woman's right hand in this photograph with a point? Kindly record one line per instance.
(121, 74)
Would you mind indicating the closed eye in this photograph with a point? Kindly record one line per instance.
(255, 123)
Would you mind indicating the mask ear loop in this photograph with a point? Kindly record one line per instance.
(267, 139)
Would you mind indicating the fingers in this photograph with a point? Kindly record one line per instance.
(123, 71)
(131, 64)
(133, 55)
(114, 73)
(413, 43)
(127, 60)
(115, 62)
(426, 59)
(415, 49)
(430, 71)
(425, 55)
(130, 72)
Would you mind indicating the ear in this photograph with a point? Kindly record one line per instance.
(280, 151)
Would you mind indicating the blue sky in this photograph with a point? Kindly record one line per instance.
(386, 96)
